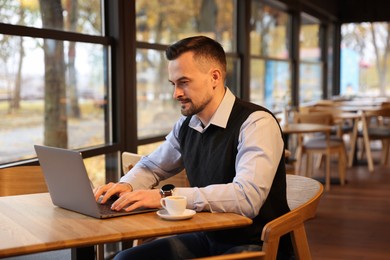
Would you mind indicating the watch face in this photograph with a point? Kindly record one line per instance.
(168, 187)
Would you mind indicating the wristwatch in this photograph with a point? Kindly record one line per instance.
(167, 190)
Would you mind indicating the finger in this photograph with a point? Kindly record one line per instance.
(109, 193)
(105, 192)
(99, 191)
(134, 206)
(124, 201)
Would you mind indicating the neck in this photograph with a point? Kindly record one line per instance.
(206, 115)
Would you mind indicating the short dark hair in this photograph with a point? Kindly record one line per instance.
(201, 46)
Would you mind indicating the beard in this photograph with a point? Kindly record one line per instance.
(193, 109)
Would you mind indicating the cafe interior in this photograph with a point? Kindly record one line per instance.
(91, 76)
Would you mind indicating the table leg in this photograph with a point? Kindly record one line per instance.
(84, 253)
(353, 141)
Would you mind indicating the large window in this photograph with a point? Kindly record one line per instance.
(270, 73)
(310, 70)
(158, 24)
(54, 85)
(365, 49)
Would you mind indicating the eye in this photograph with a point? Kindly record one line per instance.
(184, 83)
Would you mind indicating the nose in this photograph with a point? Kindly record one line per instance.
(177, 93)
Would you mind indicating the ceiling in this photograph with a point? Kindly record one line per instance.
(344, 11)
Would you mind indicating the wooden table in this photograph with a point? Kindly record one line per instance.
(302, 128)
(30, 224)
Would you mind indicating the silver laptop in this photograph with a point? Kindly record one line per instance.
(69, 185)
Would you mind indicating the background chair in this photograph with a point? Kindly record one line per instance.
(376, 126)
(21, 180)
(260, 255)
(322, 145)
(290, 163)
(179, 180)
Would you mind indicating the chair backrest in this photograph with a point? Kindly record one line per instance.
(303, 196)
(22, 180)
(252, 255)
(379, 114)
(130, 159)
(324, 118)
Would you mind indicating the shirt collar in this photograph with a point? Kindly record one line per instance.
(221, 115)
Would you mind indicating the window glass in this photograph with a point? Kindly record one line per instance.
(309, 39)
(166, 21)
(75, 16)
(148, 148)
(270, 84)
(52, 93)
(364, 63)
(270, 72)
(310, 67)
(269, 31)
(232, 72)
(157, 110)
(96, 169)
(310, 78)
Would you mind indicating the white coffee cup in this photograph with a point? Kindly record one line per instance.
(175, 205)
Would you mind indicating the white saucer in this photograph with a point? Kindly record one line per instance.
(188, 213)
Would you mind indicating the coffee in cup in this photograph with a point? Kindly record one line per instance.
(175, 205)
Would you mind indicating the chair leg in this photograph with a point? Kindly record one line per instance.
(319, 161)
(327, 172)
(301, 246)
(100, 252)
(342, 165)
(385, 152)
(309, 165)
(298, 157)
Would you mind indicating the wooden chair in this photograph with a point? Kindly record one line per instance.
(259, 255)
(303, 197)
(179, 180)
(376, 127)
(290, 163)
(322, 145)
(22, 180)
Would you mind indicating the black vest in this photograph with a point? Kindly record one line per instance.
(209, 158)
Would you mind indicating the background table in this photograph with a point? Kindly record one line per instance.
(31, 223)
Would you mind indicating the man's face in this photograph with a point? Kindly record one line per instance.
(192, 84)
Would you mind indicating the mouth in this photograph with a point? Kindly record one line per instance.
(184, 101)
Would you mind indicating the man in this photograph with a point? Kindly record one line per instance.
(232, 150)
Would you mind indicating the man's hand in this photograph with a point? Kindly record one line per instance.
(138, 198)
(111, 189)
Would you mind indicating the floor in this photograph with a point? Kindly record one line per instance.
(54, 255)
(353, 221)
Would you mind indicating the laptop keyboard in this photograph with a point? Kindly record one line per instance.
(106, 208)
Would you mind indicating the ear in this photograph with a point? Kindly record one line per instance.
(216, 76)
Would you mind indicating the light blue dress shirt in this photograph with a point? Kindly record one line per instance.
(259, 151)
